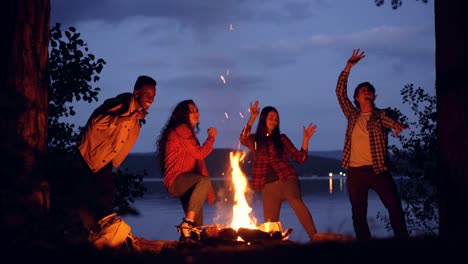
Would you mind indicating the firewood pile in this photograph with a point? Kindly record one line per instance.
(265, 232)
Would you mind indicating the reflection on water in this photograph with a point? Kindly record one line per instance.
(326, 198)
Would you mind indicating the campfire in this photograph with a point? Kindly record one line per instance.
(243, 226)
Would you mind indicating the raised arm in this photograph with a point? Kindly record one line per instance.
(254, 112)
(342, 85)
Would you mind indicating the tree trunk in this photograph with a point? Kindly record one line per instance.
(24, 195)
(452, 93)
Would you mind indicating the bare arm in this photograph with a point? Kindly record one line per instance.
(307, 134)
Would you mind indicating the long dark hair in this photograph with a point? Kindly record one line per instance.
(179, 116)
(262, 130)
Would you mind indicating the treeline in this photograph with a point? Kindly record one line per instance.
(218, 163)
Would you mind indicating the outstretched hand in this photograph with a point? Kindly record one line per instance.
(398, 128)
(355, 58)
(254, 109)
(309, 130)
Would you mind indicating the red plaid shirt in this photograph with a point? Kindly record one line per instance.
(263, 158)
(184, 154)
(377, 126)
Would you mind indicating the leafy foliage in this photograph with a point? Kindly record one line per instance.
(128, 186)
(417, 159)
(71, 69)
(395, 3)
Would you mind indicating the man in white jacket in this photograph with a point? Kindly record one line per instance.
(105, 142)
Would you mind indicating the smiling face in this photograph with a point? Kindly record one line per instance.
(193, 115)
(145, 96)
(271, 121)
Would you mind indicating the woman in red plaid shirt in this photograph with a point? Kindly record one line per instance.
(272, 172)
(182, 161)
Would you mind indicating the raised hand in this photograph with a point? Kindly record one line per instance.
(355, 58)
(254, 112)
(309, 130)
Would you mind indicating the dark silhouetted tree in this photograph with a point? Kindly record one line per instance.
(24, 193)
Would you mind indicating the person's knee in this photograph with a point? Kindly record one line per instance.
(204, 183)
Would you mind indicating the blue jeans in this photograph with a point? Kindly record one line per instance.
(360, 181)
(192, 190)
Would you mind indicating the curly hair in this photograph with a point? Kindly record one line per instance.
(179, 116)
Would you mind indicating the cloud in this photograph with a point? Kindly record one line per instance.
(195, 14)
(389, 41)
(202, 17)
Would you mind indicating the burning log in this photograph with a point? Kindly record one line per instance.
(264, 232)
(225, 233)
(252, 235)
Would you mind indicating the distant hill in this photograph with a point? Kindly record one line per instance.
(334, 154)
(318, 163)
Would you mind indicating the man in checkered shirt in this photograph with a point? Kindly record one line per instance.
(365, 154)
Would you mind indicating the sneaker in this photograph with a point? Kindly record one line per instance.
(185, 230)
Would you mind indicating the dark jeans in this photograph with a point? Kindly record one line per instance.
(95, 194)
(192, 190)
(273, 195)
(359, 181)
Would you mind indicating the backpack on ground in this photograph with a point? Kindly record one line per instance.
(111, 232)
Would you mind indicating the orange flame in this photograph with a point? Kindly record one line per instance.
(241, 209)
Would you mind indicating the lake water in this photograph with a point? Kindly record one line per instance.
(326, 198)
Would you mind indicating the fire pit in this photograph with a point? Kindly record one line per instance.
(264, 232)
(243, 226)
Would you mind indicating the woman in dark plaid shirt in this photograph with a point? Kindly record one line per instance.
(272, 171)
(365, 154)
